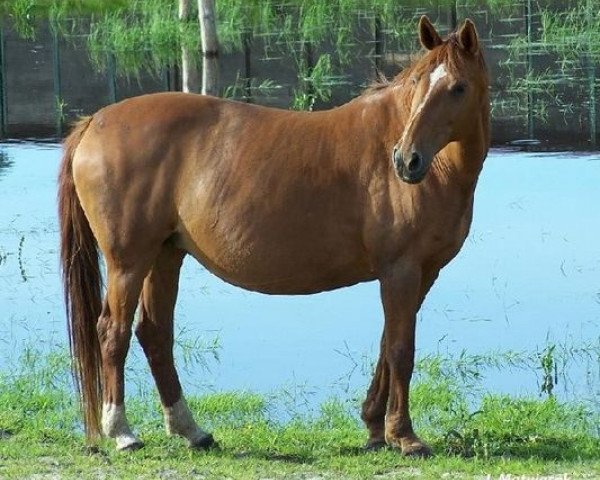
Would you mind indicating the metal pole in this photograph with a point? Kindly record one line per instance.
(3, 105)
(165, 78)
(56, 77)
(530, 122)
(248, 66)
(177, 83)
(591, 79)
(112, 78)
(592, 86)
(378, 44)
(310, 65)
(452, 17)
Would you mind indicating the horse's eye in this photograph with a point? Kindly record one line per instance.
(414, 79)
(458, 89)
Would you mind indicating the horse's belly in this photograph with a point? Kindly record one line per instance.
(281, 269)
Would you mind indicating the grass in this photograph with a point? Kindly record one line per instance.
(491, 434)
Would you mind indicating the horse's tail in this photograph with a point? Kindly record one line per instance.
(82, 280)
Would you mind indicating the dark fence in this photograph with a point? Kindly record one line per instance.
(543, 92)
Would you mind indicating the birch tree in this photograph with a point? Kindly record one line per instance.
(210, 47)
(189, 67)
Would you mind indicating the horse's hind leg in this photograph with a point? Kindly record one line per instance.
(155, 333)
(114, 334)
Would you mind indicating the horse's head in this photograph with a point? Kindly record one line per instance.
(445, 98)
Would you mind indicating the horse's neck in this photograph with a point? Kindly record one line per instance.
(460, 162)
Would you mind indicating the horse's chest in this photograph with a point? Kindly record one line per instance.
(445, 237)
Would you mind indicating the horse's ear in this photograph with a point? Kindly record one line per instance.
(427, 34)
(468, 38)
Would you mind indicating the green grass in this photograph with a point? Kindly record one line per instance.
(40, 434)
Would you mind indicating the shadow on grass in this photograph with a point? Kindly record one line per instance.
(276, 457)
(552, 449)
(547, 448)
(303, 458)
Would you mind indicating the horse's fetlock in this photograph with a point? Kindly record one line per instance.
(179, 418)
(114, 420)
(398, 427)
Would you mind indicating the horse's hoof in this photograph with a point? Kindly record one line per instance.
(416, 450)
(129, 444)
(205, 442)
(410, 446)
(375, 445)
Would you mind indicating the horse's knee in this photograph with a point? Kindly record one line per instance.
(401, 356)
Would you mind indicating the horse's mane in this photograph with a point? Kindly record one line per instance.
(449, 53)
(380, 82)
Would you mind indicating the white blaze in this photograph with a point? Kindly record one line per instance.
(439, 73)
(434, 77)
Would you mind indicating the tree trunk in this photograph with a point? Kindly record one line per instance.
(189, 69)
(210, 47)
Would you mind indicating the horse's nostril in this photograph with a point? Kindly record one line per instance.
(415, 162)
(397, 157)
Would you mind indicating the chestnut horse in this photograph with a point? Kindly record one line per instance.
(275, 201)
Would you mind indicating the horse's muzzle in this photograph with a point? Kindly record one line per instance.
(410, 170)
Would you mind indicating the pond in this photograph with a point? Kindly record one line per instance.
(528, 276)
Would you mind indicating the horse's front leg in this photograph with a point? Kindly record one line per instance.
(401, 294)
(374, 406)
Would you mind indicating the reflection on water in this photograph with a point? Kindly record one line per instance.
(5, 162)
(529, 274)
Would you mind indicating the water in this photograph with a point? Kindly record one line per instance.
(529, 274)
